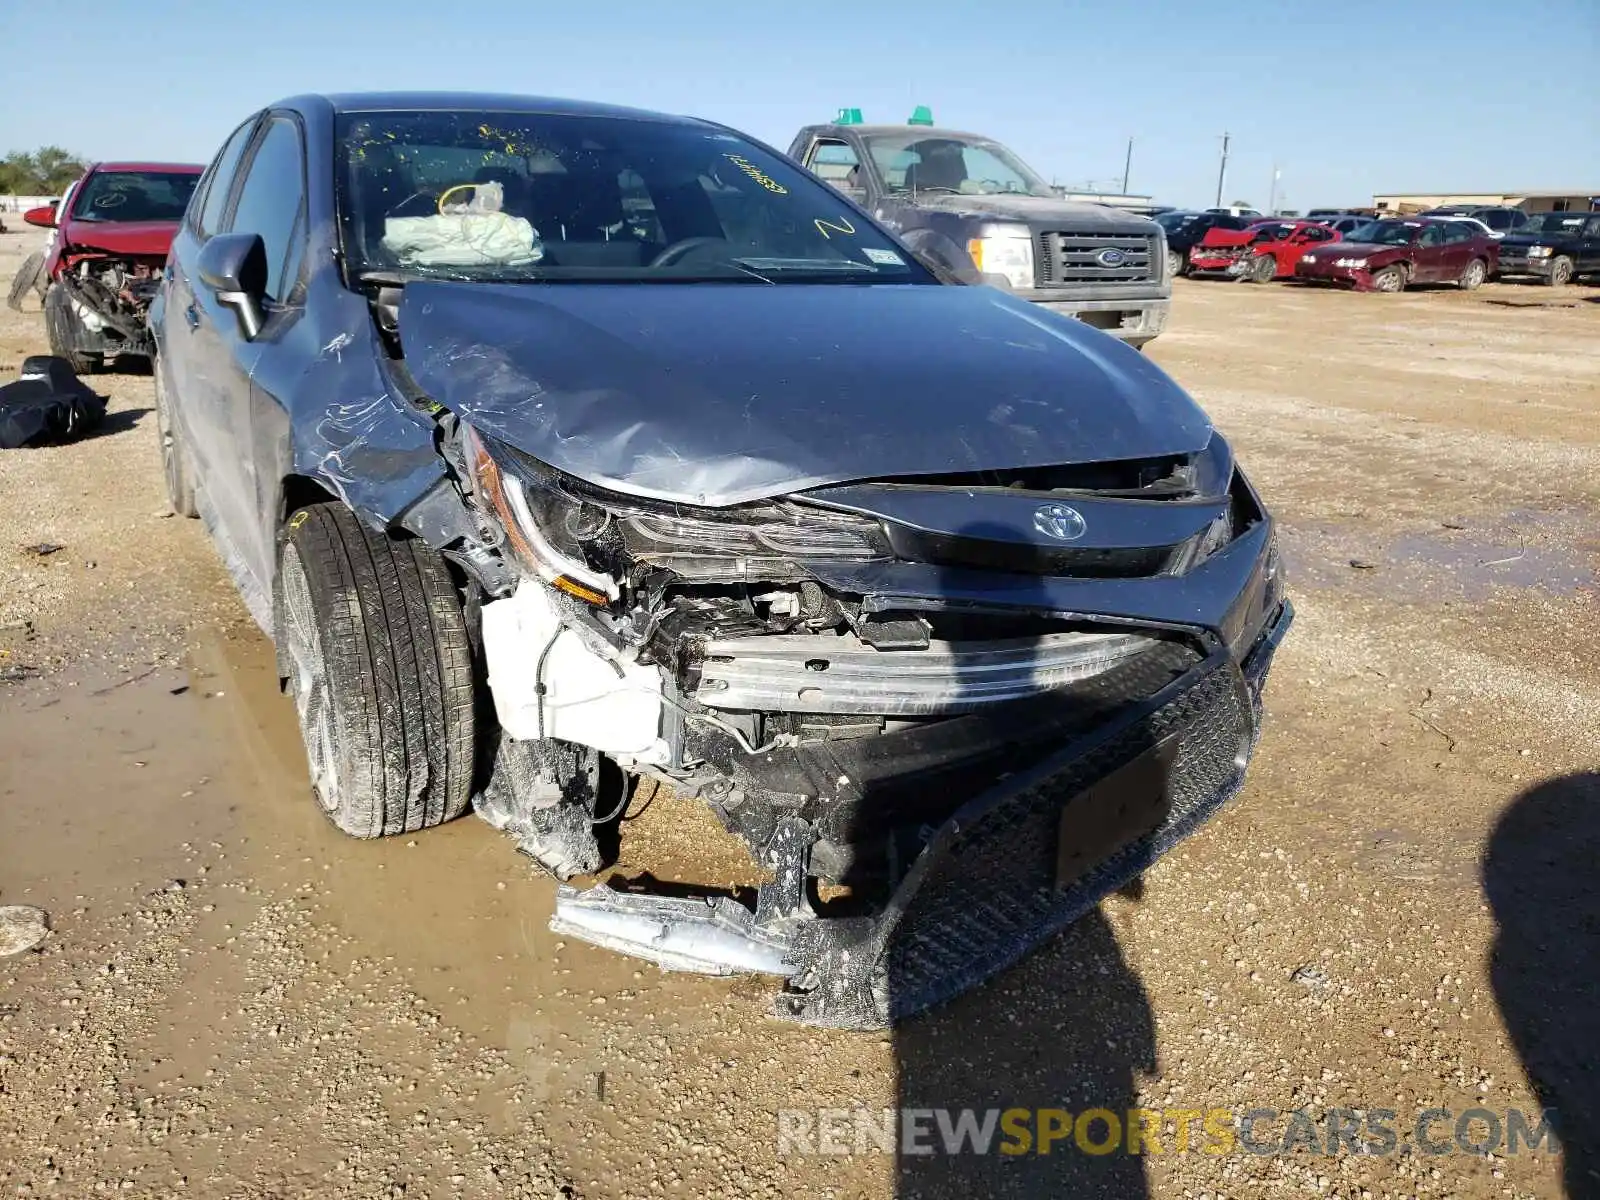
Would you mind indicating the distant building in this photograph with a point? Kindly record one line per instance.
(1577, 200)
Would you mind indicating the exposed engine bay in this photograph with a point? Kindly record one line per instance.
(99, 305)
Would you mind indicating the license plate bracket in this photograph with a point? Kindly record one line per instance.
(1115, 811)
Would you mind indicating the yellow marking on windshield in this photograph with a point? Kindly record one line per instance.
(756, 173)
(843, 226)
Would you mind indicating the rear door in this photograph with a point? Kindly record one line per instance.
(1460, 245)
(1589, 246)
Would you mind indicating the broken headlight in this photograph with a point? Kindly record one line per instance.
(762, 541)
(542, 524)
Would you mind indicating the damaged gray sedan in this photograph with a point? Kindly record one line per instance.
(561, 447)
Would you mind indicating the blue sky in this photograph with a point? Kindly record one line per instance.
(1346, 96)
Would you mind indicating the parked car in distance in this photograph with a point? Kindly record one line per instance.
(970, 205)
(1389, 256)
(1476, 224)
(1235, 210)
(99, 272)
(560, 445)
(1554, 247)
(1265, 251)
(1185, 229)
(1341, 223)
(1499, 219)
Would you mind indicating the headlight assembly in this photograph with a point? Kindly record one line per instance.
(1006, 253)
(1538, 251)
(541, 525)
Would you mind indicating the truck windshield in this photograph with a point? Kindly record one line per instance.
(1554, 222)
(914, 161)
(135, 196)
(546, 197)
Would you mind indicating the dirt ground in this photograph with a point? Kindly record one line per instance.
(1401, 911)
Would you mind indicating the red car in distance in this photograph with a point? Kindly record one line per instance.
(1264, 251)
(1390, 255)
(113, 229)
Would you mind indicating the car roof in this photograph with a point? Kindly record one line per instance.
(353, 102)
(166, 167)
(921, 131)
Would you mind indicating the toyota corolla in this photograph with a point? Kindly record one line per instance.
(562, 448)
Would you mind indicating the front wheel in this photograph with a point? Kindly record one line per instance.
(1264, 269)
(1473, 276)
(1390, 279)
(1560, 271)
(62, 326)
(375, 647)
(1175, 263)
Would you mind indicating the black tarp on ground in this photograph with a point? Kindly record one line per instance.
(47, 404)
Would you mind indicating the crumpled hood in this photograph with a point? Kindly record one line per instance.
(152, 238)
(717, 394)
(1012, 206)
(1355, 250)
(1227, 237)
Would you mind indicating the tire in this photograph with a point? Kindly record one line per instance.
(1560, 271)
(175, 468)
(1264, 269)
(380, 666)
(61, 326)
(1389, 279)
(1473, 275)
(1175, 263)
(27, 279)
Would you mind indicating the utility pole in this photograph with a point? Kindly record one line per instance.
(1127, 166)
(1222, 173)
(1272, 192)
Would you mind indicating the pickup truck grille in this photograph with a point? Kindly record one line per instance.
(1077, 258)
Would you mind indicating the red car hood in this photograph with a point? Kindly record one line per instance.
(1227, 237)
(1360, 249)
(153, 238)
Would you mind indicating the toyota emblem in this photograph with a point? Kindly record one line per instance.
(1059, 522)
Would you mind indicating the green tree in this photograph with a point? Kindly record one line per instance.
(46, 171)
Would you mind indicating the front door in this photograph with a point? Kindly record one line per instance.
(1429, 255)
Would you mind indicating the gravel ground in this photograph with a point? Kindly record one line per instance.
(1400, 911)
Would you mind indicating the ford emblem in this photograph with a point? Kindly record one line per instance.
(1059, 522)
(1111, 257)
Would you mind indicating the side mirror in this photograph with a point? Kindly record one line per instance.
(234, 266)
(44, 216)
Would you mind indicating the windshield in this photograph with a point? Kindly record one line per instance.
(502, 196)
(913, 162)
(1174, 221)
(1385, 233)
(1555, 222)
(135, 196)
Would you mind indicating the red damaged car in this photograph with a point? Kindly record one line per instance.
(1390, 255)
(1264, 251)
(98, 274)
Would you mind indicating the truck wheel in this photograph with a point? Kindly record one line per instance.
(174, 455)
(1175, 263)
(1264, 269)
(1473, 276)
(1560, 271)
(1390, 279)
(61, 327)
(378, 660)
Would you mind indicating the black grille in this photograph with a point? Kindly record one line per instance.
(1079, 258)
(992, 894)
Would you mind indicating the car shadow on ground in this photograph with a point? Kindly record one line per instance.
(120, 421)
(1541, 875)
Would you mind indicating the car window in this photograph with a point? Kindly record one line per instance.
(1316, 233)
(558, 197)
(1592, 229)
(271, 200)
(1432, 235)
(219, 179)
(914, 161)
(1459, 231)
(135, 196)
(1497, 219)
(835, 163)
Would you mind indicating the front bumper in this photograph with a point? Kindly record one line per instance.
(1121, 768)
(1513, 266)
(1135, 317)
(1328, 273)
(1200, 265)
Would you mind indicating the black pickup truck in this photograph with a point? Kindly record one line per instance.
(1555, 247)
(971, 205)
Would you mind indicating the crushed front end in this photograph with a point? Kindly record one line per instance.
(962, 708)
